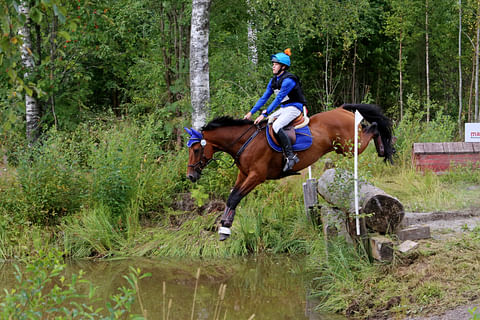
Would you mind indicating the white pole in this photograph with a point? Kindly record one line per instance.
(358, 119)
(309, 167)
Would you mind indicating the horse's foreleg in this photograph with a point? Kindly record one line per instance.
(242, 187)
(229, 213)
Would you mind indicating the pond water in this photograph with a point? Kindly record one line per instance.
(273, 288)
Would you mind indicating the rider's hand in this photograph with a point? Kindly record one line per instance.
(260, 118)
(248, 116)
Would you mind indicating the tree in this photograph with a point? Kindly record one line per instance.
(427, 63)
(399, 24)
(32, 108)
(460, 86)
(199, 68)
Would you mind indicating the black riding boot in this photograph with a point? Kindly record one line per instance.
(286, 145)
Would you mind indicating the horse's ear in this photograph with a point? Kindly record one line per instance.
(196, 134)
(189, 131)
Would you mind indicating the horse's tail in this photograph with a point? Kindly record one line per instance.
(373, 113)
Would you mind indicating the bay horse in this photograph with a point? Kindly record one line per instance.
(247, 143)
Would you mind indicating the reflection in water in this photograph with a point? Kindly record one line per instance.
(269, 287)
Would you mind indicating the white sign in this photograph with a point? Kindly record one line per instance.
(472, 132)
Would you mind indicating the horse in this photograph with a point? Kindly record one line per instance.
(257, 162)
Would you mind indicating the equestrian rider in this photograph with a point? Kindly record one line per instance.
(289, 96)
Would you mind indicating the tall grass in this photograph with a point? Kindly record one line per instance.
(114, 188)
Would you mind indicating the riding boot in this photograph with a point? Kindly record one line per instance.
(291, 158)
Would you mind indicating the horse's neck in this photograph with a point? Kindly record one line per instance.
(230, 139)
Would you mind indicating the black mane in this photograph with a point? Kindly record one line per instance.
(225, 121)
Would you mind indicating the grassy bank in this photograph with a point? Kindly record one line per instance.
(118, 188)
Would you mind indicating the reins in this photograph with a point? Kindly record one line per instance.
(243, 147)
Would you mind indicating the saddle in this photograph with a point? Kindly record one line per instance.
(297, 128)
(297, 123)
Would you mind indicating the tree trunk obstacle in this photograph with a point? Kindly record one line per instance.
(380, 213)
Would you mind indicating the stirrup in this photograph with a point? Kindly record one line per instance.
(290, 162)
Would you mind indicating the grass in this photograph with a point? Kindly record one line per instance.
(127, 207)
(439, 276)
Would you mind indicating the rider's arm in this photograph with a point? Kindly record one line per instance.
(263, 99)
(287, 85)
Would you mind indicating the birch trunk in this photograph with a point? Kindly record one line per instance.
(427, 64)
(460, 85)
(327, 102)
(199, 68)
(476, 64)
(31, 104)
(53, 56)
(400, 66)
(252, 36)
(354, 70)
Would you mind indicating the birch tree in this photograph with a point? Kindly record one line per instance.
(427, 63)
(32, 108)
(460, 86)
(399, 23)
(199, 68)
(476, 61)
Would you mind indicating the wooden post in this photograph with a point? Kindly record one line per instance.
(310, 197)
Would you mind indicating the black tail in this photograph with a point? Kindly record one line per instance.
(373, 113)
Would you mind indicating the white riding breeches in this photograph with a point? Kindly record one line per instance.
(284, 116)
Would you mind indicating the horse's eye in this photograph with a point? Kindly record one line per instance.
(196, 151)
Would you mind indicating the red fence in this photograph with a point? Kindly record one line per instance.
(441, 156)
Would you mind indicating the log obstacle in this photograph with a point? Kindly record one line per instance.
(442, 156)
(383, 213)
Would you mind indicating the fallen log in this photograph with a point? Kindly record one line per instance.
(383, 213)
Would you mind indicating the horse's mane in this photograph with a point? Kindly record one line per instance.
(225, 121)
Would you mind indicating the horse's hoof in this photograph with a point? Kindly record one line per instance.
(224, 233)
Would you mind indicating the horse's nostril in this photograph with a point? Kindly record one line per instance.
(192, 178)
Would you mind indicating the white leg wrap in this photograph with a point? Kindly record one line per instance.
(224, 230)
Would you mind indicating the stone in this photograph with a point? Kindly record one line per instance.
(415, 232)
(407, 246)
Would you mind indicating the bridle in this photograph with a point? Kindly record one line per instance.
(203, 162)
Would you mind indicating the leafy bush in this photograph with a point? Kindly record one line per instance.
(413, 129)
(51, 184)
(43, 292)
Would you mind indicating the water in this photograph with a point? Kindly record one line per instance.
(268, 287)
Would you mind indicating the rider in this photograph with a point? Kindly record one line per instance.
(289, 96)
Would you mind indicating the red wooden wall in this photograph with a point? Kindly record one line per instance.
(440, 156)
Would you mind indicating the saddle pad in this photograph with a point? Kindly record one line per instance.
(304, 140)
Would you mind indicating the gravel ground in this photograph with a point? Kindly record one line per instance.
(443, 225)
(459, 313)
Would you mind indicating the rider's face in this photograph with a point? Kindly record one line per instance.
(276, 67)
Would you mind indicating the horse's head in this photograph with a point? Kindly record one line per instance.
(200, 154)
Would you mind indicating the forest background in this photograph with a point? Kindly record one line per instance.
(94, 96)
(109, 82)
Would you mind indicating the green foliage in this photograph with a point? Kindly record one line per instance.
(51, 185)
(339, 271)
(94, 232)
(43, 290)
(475, 315)
(413, 128)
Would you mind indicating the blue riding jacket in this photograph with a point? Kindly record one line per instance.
(287, 85)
